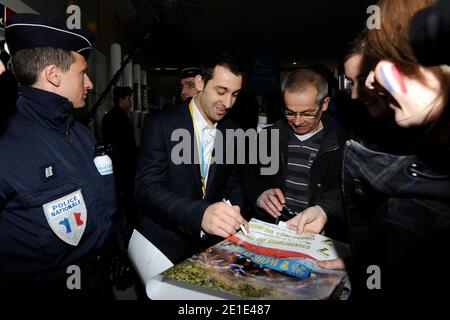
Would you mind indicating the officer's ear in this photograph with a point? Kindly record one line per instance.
(199, 83)
(52, 75)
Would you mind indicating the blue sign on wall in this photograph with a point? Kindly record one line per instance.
(264, 66)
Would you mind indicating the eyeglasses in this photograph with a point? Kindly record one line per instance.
(307, 115)
(187, 85)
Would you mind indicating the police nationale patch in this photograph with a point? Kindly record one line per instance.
(67, 216)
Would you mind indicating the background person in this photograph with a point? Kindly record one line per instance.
(118, 132)
(187, 83)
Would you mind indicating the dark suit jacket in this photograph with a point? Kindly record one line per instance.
(118, 131)
(170, 195)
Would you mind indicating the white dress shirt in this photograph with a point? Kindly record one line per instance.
(206, 137)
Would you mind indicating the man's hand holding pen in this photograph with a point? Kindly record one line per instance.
(222, 219)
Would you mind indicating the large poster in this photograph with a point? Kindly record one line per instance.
(270, 263)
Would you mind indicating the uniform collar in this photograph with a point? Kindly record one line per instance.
(52, 108)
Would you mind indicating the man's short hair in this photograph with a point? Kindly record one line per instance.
(121, 93)
(225, 60)
(29, 63)
(303, 78)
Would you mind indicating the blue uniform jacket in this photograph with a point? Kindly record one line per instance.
(44, 156)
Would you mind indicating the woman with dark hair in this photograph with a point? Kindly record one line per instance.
(398, 207)
(372, 117)
(357, 65)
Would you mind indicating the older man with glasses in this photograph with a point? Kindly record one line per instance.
(187, 83)
(307, 185)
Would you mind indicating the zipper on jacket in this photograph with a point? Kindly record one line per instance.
(329, 150)
(284, 174)
(66, 138)
(310, 169)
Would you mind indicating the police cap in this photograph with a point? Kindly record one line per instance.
(189, 72)
(25, 30)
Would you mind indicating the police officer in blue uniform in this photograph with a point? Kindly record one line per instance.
(55, 203)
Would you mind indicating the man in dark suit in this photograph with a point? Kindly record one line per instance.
(182, 203)
(118, 131)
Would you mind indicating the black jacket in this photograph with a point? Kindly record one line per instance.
(399, 215)
(324, 179)
(170, 194)
(118, 131)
